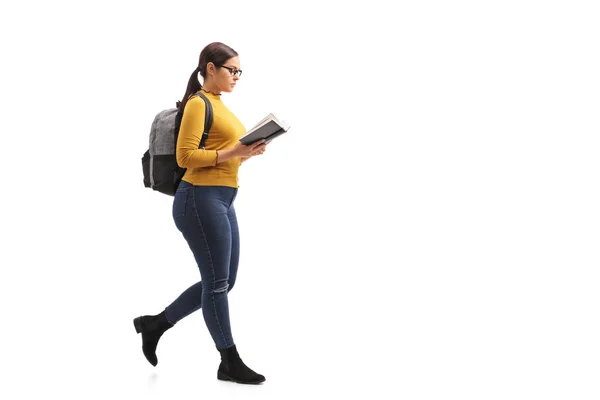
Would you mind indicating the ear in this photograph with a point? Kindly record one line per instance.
(211, 69)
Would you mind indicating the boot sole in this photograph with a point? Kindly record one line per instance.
(224, 377)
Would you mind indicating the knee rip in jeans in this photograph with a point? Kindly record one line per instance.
(221, 289)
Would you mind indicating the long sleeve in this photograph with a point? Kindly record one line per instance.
(190, 133)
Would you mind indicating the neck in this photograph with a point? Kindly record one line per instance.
(209, 86)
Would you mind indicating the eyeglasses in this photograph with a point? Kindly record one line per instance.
(233, 71)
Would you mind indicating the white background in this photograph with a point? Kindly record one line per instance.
(428, 229)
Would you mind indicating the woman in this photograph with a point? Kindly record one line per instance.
(204, 213)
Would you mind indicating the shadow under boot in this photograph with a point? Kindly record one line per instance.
(151, 327)
(232, 368)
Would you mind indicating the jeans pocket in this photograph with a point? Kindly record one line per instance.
(180, 203)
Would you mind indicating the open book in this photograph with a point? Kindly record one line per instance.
(269, 128)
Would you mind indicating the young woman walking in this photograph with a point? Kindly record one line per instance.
(203, 211)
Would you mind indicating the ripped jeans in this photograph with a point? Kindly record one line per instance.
(206, 217)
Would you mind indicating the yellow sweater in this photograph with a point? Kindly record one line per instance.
(226, 129)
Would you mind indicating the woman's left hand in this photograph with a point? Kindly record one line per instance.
(259, 150)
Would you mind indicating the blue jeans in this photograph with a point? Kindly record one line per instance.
(206, 217)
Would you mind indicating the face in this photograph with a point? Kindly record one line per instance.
(226, 76)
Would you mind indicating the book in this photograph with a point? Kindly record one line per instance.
(268, 128)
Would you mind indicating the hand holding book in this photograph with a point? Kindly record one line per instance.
(246, 151)
(258, 150)
(240, 150)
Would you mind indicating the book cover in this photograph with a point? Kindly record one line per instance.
(269, 128)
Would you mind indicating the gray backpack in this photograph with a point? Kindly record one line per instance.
(159, 162)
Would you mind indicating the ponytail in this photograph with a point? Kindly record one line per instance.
(192, 87)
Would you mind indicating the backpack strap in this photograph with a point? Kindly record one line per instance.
(208, 119)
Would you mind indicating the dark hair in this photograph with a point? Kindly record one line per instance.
(217, 53)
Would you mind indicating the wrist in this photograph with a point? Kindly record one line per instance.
(232, 152)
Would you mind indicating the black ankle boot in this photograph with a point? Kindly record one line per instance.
(151, 327)
(232, 368)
